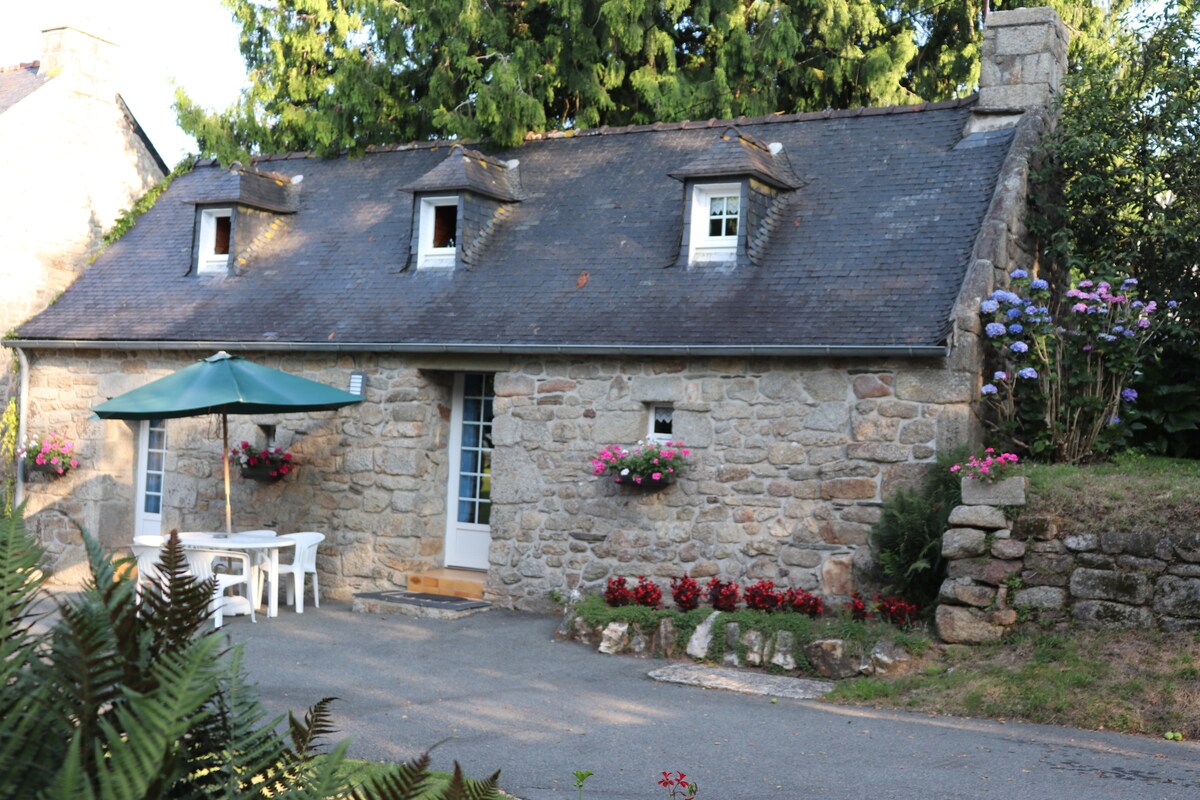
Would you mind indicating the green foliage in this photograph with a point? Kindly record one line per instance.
(119, 700)
(907, 540)
(8, 455)
(334, 75)
(1118, 195)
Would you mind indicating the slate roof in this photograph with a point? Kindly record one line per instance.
(870, 252)
(472, 171)
(735, 154)
(17, 82)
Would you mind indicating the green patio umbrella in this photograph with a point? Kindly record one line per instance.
(224, 384)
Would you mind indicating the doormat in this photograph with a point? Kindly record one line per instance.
(375, 602)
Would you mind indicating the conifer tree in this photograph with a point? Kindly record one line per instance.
(334, 75)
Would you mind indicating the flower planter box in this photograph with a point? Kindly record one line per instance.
(261, 473)
(647, 485)
(1006, 492)
(47, 469)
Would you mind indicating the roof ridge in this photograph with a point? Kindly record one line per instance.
(24, 66)
(605, 130)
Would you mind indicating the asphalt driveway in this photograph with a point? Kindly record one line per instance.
(499, 692)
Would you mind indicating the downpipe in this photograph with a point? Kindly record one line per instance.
(22, 417)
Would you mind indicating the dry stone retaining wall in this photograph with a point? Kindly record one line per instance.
(1000, 570)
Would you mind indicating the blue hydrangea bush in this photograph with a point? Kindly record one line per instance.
(1057, 387)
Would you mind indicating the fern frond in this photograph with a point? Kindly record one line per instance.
(407, 781)
(318, 722)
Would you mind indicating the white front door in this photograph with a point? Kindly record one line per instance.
(468, 495)
(151, 468)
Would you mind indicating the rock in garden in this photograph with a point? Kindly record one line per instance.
(1121, 587)
(1082, 542)
(970, 594)
(1007, 492)
(664, 638)
(785, 643)
(1008, 548)
(1177, 597)
(832, 659)
(958, 625)
(753, 642)
(702, 637)
(732, 657)
(888, 658)
(615, 638)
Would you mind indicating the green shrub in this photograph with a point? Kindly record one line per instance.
(118, 700)
(907, 540)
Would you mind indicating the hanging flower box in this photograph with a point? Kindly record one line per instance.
(52, 454)
(648, 466)
(267, 464)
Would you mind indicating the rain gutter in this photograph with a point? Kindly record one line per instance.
(856, 351)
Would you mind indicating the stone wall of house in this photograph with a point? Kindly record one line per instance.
(791, 461)
(1002, 570)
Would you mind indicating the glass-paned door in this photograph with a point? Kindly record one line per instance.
(469, 493)
(151, 473)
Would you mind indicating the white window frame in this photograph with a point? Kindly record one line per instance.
(208, 262)
(702, 247)
(429, 256)
(660, 438)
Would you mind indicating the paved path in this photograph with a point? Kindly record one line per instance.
(505, 695)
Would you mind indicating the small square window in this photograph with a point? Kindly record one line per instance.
(438, 232)
(661, 423)
(216, 238)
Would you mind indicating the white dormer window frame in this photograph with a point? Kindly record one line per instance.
(717, 214)
(216, 235)
(432, 253)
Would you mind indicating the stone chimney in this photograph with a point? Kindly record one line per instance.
(83, 58)
(1023, 60)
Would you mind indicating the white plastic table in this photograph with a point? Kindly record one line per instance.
(207, 540)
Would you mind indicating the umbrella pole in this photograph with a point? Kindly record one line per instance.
(225, 459)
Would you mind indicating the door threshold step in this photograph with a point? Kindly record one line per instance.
(450, 582)
(417, 604)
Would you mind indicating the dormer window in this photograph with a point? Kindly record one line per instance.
(216, 235)
(438, 232)
(716, 220)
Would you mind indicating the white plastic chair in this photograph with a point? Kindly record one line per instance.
(304, 562)
(146, 550)
(200, 565)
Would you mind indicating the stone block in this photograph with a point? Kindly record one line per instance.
(800, 557)
(826, 386)
(849, 489)
(1121, 587)
(832, 417)
(1040, 528)
(920, 431)
(959, 625)
(1177, 596)
(1140, 544)
(787, 453)
(1111, 616)
(837, 575)
(867, 386)
(1006, 492)
(1008, 548)
(1046, 598)
(753, 643)
(832, 659)
(985, 517)
(996, 571)
(732, 658)
(935, 386)
(946, 592)
(959, 543)
(1082, 542)
(1135, 564)
(878, 451)
(1049, 563)
(1095, 560)
(972, 594)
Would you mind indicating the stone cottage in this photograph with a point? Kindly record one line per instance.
(794, 297)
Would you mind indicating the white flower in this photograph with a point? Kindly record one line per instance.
(625, 472)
